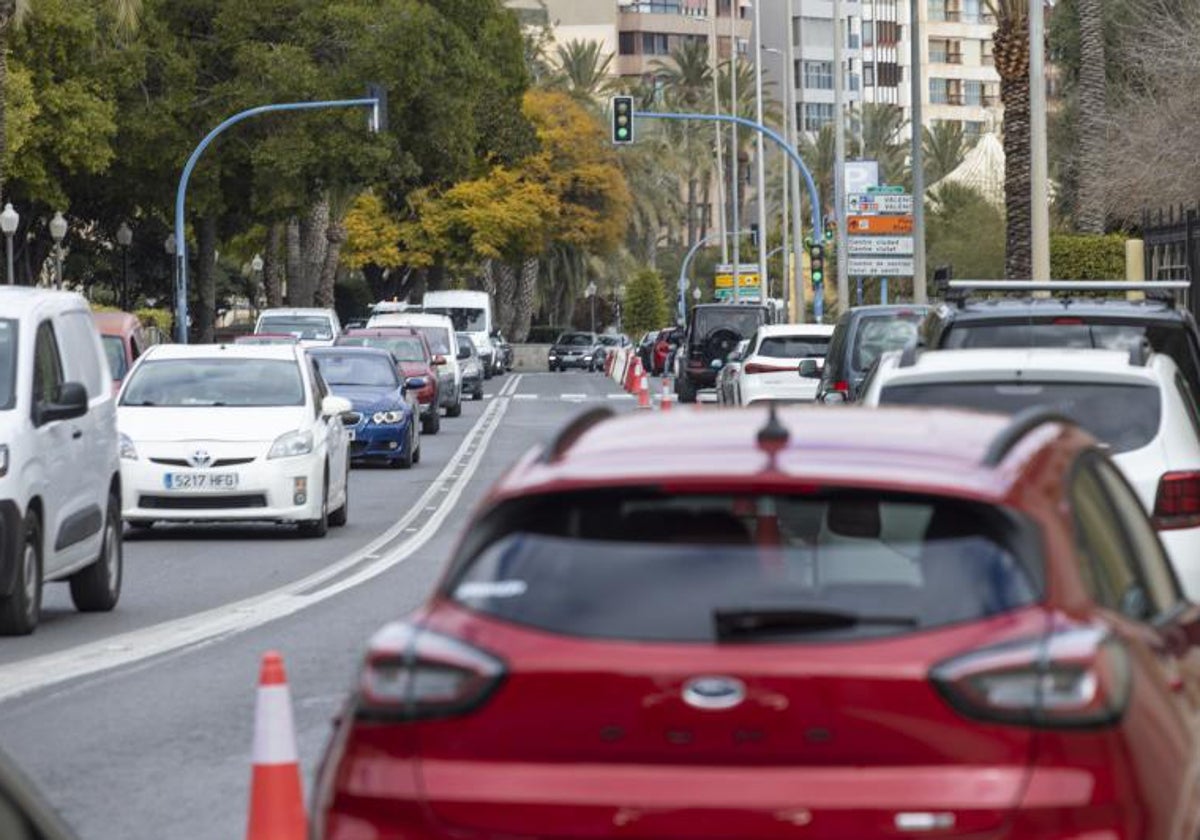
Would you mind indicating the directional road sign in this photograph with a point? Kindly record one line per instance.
(880, 266)
(879, 225)
(866, 204)
(879, 246)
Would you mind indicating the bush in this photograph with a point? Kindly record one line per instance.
(645, 304)
(1087, 257)
(162, 319)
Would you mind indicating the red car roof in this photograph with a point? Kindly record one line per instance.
(907, 449)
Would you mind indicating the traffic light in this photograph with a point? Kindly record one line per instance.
(830, 229)
(377, 122)
(816, 259)
(622, 120)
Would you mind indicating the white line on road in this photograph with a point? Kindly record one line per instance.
(620, 396)
(128, 648)
(525, 396)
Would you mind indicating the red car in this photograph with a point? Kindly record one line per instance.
(413, 358)
(831, 624)
(124, 340)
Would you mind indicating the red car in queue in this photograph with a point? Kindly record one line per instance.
(816, 624)
(413, 358)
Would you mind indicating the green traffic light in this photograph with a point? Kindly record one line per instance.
(818, 276)
(622, 133)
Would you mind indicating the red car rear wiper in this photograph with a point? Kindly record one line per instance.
(740, 623)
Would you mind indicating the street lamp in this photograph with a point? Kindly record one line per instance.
(124, 239)
(58, 231)
(256, 269)
(590, 291)
(9, 220)
(696, 294)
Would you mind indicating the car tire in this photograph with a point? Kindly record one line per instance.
(417, 454)
(341, 516)
(432, 422)
(687, 394)
(20, 611)
(407, 460)
(97, 588)
(478, 395)
(456, 409)
(319, 527)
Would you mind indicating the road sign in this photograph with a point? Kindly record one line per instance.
(886, 190)
(746, 296)
(879, 246)
(879, 225)
(860, 176)
(880, 266)
(747, 280)
(871, 204)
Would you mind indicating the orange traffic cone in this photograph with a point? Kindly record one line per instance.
(668, 395)
(276, 797)
(643, 392)
(634, 376)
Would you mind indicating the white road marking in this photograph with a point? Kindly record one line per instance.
(525, 396)
(573, 397)
(204, 627)
(620, 396)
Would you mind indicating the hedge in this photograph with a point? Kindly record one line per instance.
(1087, 257)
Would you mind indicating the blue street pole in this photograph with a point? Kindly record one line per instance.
(181, 280)
(814, 198)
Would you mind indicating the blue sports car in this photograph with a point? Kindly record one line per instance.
(367, 376)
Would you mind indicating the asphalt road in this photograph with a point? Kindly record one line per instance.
(138, 724)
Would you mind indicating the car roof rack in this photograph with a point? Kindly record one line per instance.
(1021, 424)
(1070, 285)
(572, 432)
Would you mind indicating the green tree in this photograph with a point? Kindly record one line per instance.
(964, 230)
(583, 70)
(944, 148)
(645, 303)
(881, 126)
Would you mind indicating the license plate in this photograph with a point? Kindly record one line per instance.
(200, 481)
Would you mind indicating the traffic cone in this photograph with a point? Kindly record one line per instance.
(668, 394)
(276, 797)
(634, 376)
(643, 393)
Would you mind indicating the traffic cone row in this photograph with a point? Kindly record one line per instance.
(276, 797)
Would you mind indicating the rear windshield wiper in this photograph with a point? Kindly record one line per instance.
(740, 623)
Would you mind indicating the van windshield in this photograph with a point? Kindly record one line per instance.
(465, 318)
(310, 327)
(8, 363)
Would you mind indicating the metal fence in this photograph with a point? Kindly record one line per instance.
(1172, 248)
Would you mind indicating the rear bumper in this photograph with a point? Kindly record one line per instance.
(799, 391)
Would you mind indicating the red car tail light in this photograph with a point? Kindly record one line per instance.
(842, 386)
(1177, 504)
(411, 674)
(759, 367)
(1067, 322)
(1075, 677)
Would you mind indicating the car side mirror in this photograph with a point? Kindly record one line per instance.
(717, 364)
(414, 383)
(438, 360)
(332, 406)
(72, 402)
(809, 369)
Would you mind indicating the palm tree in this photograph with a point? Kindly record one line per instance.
(12, 14)
(818, 154)
(1093, 116)
(881, 141)
(944, 148)
(687, 81)
(1011, 53)
(583, 70)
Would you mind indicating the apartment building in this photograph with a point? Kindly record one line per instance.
(960, 80)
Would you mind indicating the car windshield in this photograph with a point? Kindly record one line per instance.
(114, 349)
(437, 338)
(310, 327)
(794, 347)
(404, 349)
(657, 568)
(8, 363)
(365, 369)
(575, 340)
(464, 318)
(879, 334)
(741, 320)
(610, 340)
(465, 346)
(233, 382)
(1123, 416)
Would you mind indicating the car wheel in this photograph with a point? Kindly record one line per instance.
(407, 459)
(417, 454)
(20, 611)
(478, 395)
(340, 516)
(319, 527)
(687, 394)
(456, 409)
(97, 588)
(431, 423)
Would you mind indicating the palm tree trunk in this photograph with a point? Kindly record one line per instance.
(314, 244)
(691, 210)
(273, 265)
(526, 292)
(206, 258)
(1011, 42)
(336, 236)
(506, 295)
(1093, 116)
(295, 263)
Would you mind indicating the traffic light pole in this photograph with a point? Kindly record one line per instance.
(813, 195)
(375, 103)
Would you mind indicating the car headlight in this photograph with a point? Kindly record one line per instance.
(383, 417)
(128, 450)
(3, 460)
(291, 445)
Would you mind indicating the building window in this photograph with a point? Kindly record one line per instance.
(972, 92)
(937, 9)
(817, 115)
(627, 43)
(655, 43)
(939, 48)
(939, 91)
(818, 75)
(991, 94)
(868, 33)
(988, 59)
(656, 7)
(972, 129)
(970, 11)
(869, 75)
(855, 83)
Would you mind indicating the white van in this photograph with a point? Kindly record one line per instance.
(60, 476)
(471, 313)
(311, 326)
(439, 332)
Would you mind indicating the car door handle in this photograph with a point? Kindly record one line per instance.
(77, 434)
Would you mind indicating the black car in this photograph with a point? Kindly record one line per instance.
(474, 369)
(713, 330)
(1074, 320)
(574, 349)
(860, 337)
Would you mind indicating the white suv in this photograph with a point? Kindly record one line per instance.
(1137, 404)
(60, 491)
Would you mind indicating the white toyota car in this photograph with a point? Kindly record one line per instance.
(233, 433)
(1136, 404)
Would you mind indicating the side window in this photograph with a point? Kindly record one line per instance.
(47, 367)
(1104, 553)
(1148, 552)
(135, 346)
(81, 355)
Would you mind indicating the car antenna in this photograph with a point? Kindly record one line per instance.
(773, 437)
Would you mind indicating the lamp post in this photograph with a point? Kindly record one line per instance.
(256, 268)
(621, 308)
(590, 291)
(760, 165)
(58, 231)
(124, 239)
(9, 220)
(171, 249)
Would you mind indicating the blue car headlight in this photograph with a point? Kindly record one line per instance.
(381, 418)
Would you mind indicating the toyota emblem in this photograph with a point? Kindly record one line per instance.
(200, 458)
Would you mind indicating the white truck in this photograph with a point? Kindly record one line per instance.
(471, 313)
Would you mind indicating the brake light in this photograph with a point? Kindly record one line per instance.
(1075, 677)
(1177, 504)
(759, 367)
(1068, 322)
(842, 386)
(412, 673)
